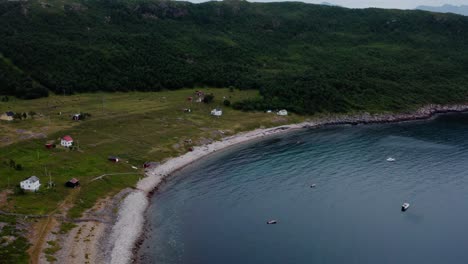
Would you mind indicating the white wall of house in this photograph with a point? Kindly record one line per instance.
(282, 113)
(30, 185)
(65, 143)
(217, 112)
(6, 117)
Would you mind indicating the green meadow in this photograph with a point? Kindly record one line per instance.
(135, 126)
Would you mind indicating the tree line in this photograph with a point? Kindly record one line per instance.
(302, 57)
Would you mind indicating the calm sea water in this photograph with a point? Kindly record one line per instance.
(215, 211)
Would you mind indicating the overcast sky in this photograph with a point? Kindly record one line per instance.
(401, 4)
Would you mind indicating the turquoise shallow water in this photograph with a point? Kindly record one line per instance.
(215, 211)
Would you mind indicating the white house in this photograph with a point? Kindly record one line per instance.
(282, 112)
(66, 141)
(7, 116)
(30, 184)
(217, 112)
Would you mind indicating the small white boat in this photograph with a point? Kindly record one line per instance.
(272, 222)
(313, 185)
(390, 159)
(405, 207)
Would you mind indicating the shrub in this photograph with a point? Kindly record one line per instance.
(208, 98)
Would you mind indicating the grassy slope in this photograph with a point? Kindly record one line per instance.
(135, 126)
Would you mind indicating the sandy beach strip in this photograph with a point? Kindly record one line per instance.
(129, 225)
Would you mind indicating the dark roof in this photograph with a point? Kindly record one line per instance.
(32, 179)
(10, 113)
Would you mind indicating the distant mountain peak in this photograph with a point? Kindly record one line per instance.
(447, 8)
(329, 4)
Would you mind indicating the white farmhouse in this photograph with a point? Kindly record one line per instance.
(217, 112)
(30, 184)
(282, 112)
(66, 141)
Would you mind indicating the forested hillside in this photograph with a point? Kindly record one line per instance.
(303, 57)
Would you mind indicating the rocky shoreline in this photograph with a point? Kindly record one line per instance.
(365, 118)
(127, 232)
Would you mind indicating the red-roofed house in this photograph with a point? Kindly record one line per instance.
(66, 141)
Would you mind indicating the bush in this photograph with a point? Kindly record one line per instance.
(227, 102)
(18, 190)
(208, 98)
(17, 116)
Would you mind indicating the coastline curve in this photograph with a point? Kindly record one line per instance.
(129, 225)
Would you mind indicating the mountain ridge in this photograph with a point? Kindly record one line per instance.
(461, 10)
(303, 57)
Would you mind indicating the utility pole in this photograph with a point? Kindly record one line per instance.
(50, 177)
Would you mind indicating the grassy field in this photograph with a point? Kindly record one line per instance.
(136, 127)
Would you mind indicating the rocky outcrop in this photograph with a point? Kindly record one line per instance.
(366, 118)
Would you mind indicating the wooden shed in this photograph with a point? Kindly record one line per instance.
(73, 183)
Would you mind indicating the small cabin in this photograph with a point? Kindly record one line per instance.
(282, 112)
(76, 117)
(66, 141)
(217, 112)
(73, 183)
(30, 184)
(50, 145)
(113, 158)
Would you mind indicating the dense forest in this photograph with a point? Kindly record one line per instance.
(303, 57)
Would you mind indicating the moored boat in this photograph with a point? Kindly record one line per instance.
(405, 206)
